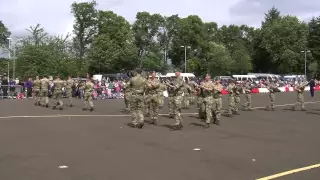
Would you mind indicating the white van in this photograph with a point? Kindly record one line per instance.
(241, 78)
(265, 76)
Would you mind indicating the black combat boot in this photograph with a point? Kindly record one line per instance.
(61, 108)
(54, 107)
(91, 109)
(84, 109)
(206, 126)
(217, 122)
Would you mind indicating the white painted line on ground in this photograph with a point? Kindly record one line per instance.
(123, 115)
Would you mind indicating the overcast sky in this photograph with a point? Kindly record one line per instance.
(55, 16)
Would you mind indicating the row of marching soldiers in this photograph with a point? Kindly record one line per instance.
(146, 96)
(41, 92)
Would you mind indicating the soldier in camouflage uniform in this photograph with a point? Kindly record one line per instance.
(187, 93)
(200, 103)
(272, 90)
(207, 88)
(231, 98)
(145, 104)
(88, 91)
(300, 98)
(81, 87)
(238, 91)
(57, 93)
(36, 90)
(161, 89)
(138, 85)
(217, 102)
(44, 92)
(127, 93)
(247, 90)
(152, 89)
(170, 91)
(192, 94)
(177, 86)
(69, 84)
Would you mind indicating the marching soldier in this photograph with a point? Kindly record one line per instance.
(170, 91)
(238, 91)
(200, 103)
(36, 90)
(272, 90)
(217, 102)
(57, 93)
(300, 98)
(127, 94)
(208, 87)
(44, 91)
(177, 86)
(231, 98)
(187, 92)
(247, 90)
(69, 84)
(152, 99)
(137, 84)
(88, 90)
(162, 88)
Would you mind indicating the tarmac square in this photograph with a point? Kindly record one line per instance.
(35, 141)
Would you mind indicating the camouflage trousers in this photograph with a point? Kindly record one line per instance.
(170, 106)
(236, 103)
(208, 102)
(44, 97)
(153, 103)
(186, 100)
(69, 96)
(249, 101)
(137, 104)
(216, 109)
(127, 99)
(57, 98)
(146, 106)
(201, 108)
(231, 101)
(88, 101)
(272, 97)
(300, 101)
(177, 100)
(36, 97)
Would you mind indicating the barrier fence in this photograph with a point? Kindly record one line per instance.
(12, 92)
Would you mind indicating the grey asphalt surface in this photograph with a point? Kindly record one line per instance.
(100, 146)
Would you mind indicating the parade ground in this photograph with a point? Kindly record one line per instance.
(39, 143)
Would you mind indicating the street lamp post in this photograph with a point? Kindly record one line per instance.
(14, 57)
(185, 57)
(305, 61)
(9, 56)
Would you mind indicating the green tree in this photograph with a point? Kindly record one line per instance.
(84, 28)
(4, 34)
(314, 42)
(146, 32)
(112, 49)
(283, 39)
(41, 54)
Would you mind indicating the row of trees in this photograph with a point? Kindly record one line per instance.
(104, 42)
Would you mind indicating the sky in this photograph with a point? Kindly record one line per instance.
(55, 16)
